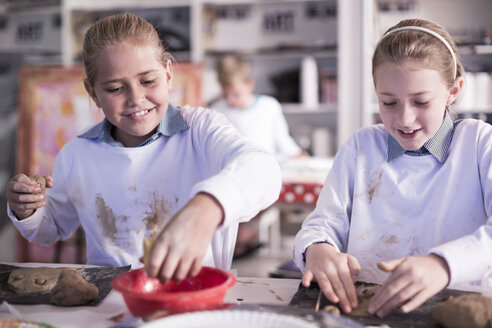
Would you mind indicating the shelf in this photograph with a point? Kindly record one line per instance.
(275, 54)
(325, 117)
(91, 5)
(482, 49)
(292, 108)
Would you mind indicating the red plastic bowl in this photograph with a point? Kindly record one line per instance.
(144, 295)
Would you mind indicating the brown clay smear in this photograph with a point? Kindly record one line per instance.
(373, 187)
(157, 215)
(106, 217)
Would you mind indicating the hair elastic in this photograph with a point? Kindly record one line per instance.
(428, 31)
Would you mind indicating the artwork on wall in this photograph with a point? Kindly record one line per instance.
(54, 108)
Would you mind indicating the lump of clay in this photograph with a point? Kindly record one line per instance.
(33, 280)
(364, 296)
(41, 180)
(332, 309)
(72, 289)
(468, 310)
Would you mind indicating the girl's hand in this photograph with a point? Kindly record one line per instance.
(24, 195)
(335, 273)
(413, 280)
(179, 249)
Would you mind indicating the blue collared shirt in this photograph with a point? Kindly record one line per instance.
(172, 123)
(438, 145)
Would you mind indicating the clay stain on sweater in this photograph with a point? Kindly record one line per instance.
(107, 218)
(373, 187)
(390, 239)
(157, 216)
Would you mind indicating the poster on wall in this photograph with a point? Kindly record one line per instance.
(54, 108)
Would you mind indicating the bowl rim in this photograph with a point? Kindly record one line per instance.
(230, 281)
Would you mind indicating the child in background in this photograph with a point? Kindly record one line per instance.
(258, 118)
(149, 169)
(407, 202)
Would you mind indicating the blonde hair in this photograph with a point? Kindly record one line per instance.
(231, 68)
(112, 30)
(422, 46)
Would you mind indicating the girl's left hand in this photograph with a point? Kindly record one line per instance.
(179, 248)
(413, 280)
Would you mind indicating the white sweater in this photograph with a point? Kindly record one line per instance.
(119, 195)
(413, 205)
(264, 123)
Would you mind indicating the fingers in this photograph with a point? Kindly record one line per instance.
(392, 286)
(175, 264)
(339, 288)
(329, 288)
(157, 255)
(49, 181)
(24, 196)
(307, 277)
(23, 184)
(354, 267)
(195, 268)
(387, 300)
(182, 270)
(389, 266)
(416, 301)
(349, 279)
(169, 268)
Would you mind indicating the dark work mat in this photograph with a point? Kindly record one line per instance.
(99, 276)
(421, 317)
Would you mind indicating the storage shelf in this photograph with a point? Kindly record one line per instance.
(283, 53)
(482, 49)
(293, 108)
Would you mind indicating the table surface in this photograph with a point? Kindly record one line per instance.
(112, 311)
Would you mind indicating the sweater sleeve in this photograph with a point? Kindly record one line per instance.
(58, 219)
(330, 220)
(470, 257)
(243, 177)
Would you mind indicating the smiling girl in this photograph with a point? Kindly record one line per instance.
(181, 175)
(408, 203)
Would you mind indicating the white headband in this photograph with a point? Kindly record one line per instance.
(425, 30)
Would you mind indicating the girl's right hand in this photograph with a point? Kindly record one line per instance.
(335, 273)
(24, 195)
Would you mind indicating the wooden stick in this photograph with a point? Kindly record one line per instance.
(316, 308)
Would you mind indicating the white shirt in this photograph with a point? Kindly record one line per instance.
(264, 123)
(377, 210)
(119, 195)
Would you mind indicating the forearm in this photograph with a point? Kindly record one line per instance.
(469, 258)
(36, 228)
(247, 184)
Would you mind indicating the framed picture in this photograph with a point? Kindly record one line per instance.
(53, 108)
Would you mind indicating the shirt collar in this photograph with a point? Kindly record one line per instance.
(172, 123)
(438, 145)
